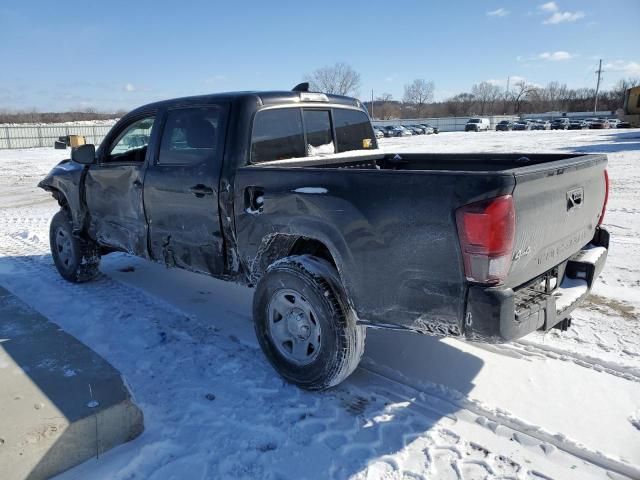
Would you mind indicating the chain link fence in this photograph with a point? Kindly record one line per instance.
(31, 136)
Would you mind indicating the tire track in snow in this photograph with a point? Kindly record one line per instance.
(497, 419)
(526, 348)
(339, 432)
(440, 456)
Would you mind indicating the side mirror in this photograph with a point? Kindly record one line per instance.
(84, 154)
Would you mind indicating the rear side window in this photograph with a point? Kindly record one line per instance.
(277, 135)
(353, 130)
(317, 124)
(190, 136)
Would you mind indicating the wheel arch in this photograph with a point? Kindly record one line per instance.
(280, 245)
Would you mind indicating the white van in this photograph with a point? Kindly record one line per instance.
(477, 125)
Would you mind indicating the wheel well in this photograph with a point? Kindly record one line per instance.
(311, 246)
(60, 198)
(282, 245)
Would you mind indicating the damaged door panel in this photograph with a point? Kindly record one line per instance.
(114, 186)
(181, 190)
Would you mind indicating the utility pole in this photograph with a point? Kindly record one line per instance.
(506, 97)
(372, 115)
(599, 72)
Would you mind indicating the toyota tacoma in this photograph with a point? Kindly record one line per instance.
(288, 192)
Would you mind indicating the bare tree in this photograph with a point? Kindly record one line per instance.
(418, 94)
(460, 104)
(339, 79)
(485, 94)
(619, 89)
(522, 90)
(386, 107)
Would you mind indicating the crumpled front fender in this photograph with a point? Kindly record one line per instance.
(65, 182)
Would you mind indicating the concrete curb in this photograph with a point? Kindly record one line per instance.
(60, 402)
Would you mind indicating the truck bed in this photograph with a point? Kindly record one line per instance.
(390, 220)
(458, 162)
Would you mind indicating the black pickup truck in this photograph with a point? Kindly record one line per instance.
(288, 192)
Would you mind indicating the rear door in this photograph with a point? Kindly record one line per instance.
(558, 205)
(181, 189)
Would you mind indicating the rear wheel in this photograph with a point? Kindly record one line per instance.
(304, 324)
(77, 260)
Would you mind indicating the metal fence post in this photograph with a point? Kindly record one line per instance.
(6, 131)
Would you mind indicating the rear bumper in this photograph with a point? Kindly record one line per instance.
(501, 314)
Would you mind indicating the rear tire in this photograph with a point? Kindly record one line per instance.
(77, 260)
(304, 323)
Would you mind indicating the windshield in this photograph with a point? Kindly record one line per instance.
(474, 120)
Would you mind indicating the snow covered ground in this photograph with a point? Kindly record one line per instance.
(560, 405)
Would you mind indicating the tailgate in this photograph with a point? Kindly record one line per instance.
(558, 205)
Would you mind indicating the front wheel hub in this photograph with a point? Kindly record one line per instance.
(294, 327)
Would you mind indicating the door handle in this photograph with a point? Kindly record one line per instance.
(201, 190)
(254, 199)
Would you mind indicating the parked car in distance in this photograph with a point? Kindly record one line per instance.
(423, 130)
(389, 130)
(401, 131)
(504, 126)
(578, 124)
(599, 123)
(623, 124)
(560, 124)
(231, 185)
(379, 132)
(523, 125)
(477, 125)
(542, 125)
(414, 130)
(433, 129)
(613, 123)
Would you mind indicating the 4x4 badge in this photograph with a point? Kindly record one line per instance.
(575, 198)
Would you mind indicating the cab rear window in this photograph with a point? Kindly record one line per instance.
(353, 130)
(285, 133)
(277, 135)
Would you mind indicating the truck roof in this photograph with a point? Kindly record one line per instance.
(262, 97)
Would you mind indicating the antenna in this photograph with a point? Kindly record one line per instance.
(599, 72)
(301, 87)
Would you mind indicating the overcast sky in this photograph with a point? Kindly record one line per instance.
(120, 54)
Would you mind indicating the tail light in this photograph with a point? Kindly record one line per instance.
(606, 196)
(486, 231)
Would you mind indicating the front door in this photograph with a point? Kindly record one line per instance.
(181, 190)
(113, 188)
